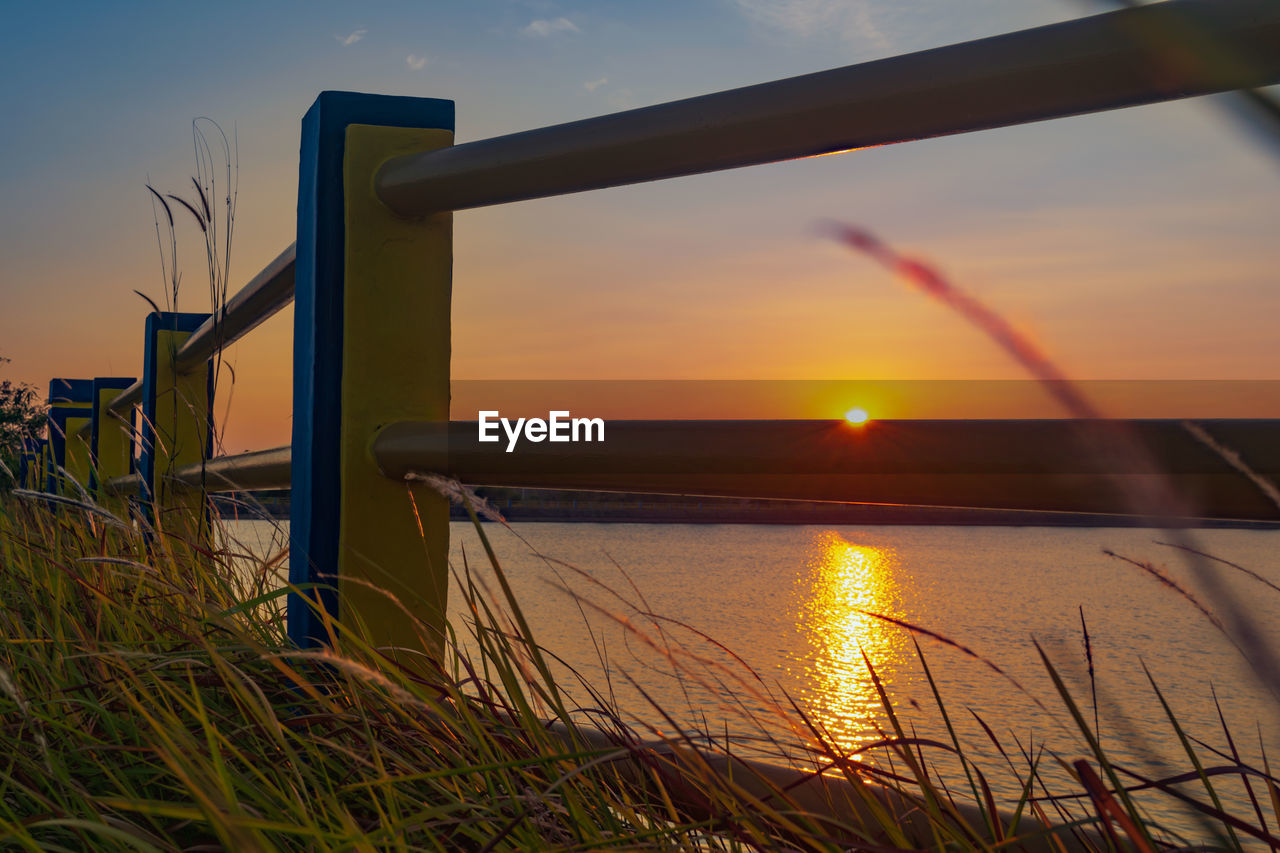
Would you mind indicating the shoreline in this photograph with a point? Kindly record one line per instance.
(545, 505)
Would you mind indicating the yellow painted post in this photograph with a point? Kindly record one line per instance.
(177, 428)
(43, 454)
(79, 459)
(28, 473)
(111, 434)
(371, 347)
(70, 408)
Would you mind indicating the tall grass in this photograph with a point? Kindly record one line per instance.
(211, 208)
(150, 700)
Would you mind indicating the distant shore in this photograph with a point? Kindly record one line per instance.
(615, 507)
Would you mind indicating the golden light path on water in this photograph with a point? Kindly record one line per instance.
(844, 579)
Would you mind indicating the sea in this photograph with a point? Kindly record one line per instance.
(775, 637)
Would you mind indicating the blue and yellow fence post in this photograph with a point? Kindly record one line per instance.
(176, 428)
(28, 473)
(40, 477)
(110, 435)
(371, 347)
(70, 408)
(24, 466)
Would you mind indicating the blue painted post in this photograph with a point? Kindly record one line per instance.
(69, 409)
(371, 347)
(177, 425)
(111, 434)
(27, 465)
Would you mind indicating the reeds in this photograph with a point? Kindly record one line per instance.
(149, 699)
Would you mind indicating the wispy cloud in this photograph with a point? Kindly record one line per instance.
(541, 28)
(415, 63)
(592, 85)
(351, 38)
(851, 20)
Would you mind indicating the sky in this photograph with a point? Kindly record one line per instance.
(1131, 245)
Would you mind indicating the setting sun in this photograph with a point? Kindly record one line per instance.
(857, 416)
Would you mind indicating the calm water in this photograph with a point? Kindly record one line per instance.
(631, 607)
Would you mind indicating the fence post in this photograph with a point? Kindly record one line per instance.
(70, 407)
(28, 464)
(40, 478)
(111, 434)
(177, 425)
(371, 347)
(20, 476)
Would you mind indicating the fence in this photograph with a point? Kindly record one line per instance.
(370, 277)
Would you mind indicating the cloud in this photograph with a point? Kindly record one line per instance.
(541, 28)
(850, 20)
(415, 63)
(350, 39)
(592, 85)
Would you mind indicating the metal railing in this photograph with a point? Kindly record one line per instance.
(1165, 51)
(1135, 56)
(1141, 55)
(265, 294)
(1019, 465)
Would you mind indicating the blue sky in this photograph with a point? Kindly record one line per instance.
(1136, 244)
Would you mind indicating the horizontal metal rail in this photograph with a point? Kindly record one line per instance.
(1156, 52)
(268, 292)
(127, 483)
(125, 400)
(130, 396)
(1043, 465)
(1065, 466)
(262, 469)
(265, 294)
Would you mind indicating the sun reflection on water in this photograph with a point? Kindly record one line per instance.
(843, 579)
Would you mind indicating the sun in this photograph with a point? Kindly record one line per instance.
(857, 416)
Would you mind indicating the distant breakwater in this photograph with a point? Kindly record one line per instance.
(596, 507)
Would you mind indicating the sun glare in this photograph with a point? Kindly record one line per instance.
(844, 583)
(857, 416)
